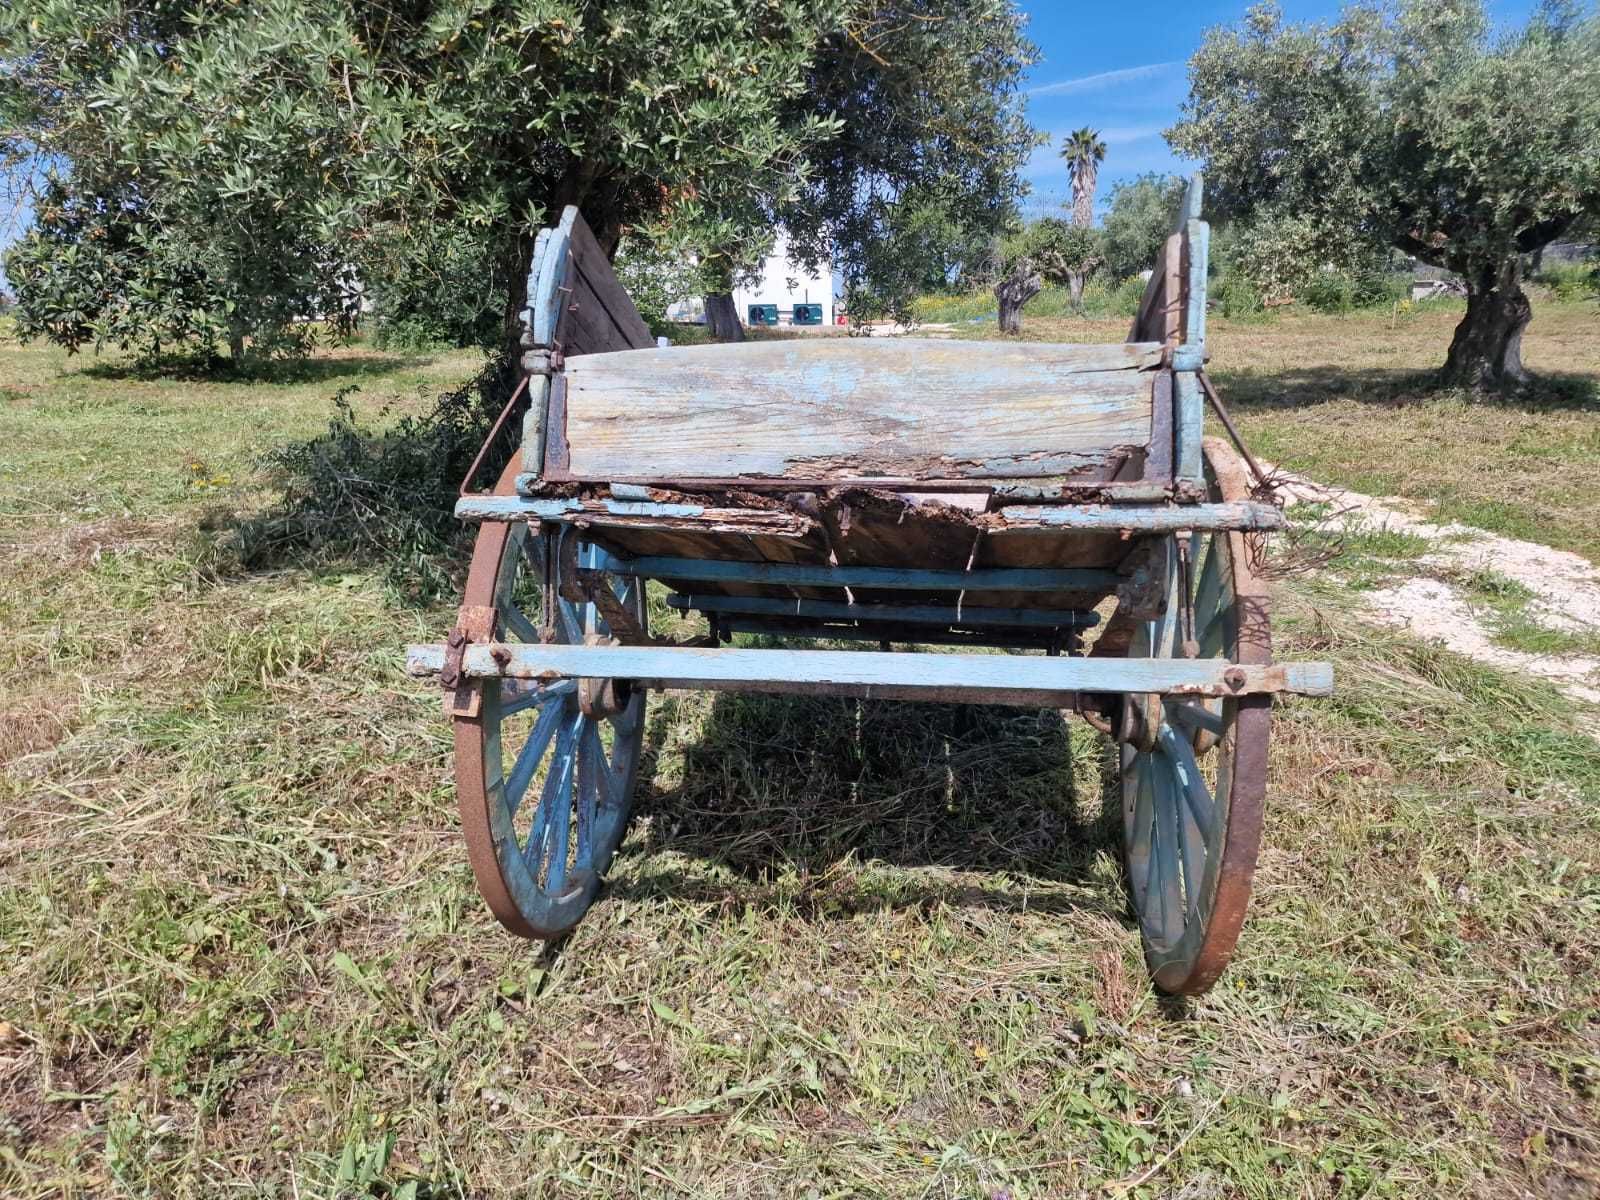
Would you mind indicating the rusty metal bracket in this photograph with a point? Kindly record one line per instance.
(584, 584)
(624, 627)
(1263, 481)
(494, 436)
(474, 623)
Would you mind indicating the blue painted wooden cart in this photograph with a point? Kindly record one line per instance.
(1057, 503)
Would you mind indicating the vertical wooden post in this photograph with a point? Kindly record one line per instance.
(1188, 398)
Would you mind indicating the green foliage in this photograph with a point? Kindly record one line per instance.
(1569, 282)
(1413, 126)
(443, 297)
(328, 134)
(99, 268)
(655, 279)
(921, 173)
(1139, 220)
(1335, 291)
(1059, 250)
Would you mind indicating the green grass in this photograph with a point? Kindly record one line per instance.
(849, 948)
(1514, 621)
(1350, 401)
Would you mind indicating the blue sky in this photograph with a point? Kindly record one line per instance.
(1122, 71)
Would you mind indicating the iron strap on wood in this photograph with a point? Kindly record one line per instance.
(980, 678)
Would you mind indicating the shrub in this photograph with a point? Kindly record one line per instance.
(1238, 298)
(443, 293)
(1334, 291)
(387, 494)
(1569, 282)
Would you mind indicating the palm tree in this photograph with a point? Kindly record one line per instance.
(1084, 152)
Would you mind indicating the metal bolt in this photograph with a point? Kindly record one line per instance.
(1234, 677)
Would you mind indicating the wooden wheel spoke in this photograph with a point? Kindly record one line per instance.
(1168, 843)
(1197, 797)
(1196, 714)
(517, 621)
(569, 624)
(514, 698)
(1208, 584)
(1143, 823)
(1214, 634)
(589, 756)
(555, 803)
(610, 783)
(532, 753)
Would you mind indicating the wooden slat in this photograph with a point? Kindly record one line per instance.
(830, 409)
(1238, 514)
(599, 299)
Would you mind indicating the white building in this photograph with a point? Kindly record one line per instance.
(785, 284)
(781, 284)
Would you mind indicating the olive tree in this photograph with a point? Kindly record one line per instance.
(1138, 219)
(301, 142)
(331, 134)
(923, 171)
(1415, 126)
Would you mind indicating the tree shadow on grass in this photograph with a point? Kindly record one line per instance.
(327, 368)
(1251, 391)
(805, 784)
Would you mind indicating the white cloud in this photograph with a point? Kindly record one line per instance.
(1105, 79)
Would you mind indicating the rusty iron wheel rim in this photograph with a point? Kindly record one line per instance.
(516, 892)
(1188, 931)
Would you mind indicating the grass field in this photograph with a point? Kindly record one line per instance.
(848, 949)
(1346, 401)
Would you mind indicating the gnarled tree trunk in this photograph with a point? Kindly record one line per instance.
(1013, 291)
(722, 318)
(1486, 352)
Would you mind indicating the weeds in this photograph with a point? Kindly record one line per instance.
(381, 492)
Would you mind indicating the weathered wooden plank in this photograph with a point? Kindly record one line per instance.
(1189, 402)
(533, 423)
(1244, 515)
(832, 409)
(602, 294)
(638, 514)
(1193, 195)
(1196, 259)
(992, 677)
(544, 301)
(1156, 320)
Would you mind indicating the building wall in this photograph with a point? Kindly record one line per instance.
(774, 287)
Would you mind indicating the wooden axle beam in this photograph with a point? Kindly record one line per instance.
(1027, 680)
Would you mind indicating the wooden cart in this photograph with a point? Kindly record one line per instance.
(899, 492)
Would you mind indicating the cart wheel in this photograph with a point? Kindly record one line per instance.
(1192, 790)
(545, 772)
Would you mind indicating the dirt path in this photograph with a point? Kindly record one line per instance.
(1565, 588)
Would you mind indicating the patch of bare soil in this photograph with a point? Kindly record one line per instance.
(1565, 587)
